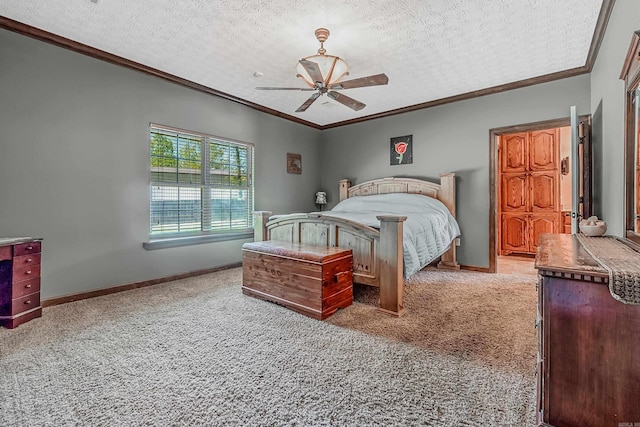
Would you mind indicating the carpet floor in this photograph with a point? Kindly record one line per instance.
(197, 352)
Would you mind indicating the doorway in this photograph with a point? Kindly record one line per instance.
(530, 184)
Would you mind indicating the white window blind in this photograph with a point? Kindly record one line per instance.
(200, 184)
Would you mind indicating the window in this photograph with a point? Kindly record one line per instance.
(200, 184)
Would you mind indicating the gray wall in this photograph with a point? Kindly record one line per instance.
(74, 155)
(607, 106)
(449, 138)
(74, 158)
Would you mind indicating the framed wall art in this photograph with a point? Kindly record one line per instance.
(294, 163)
(401, 150)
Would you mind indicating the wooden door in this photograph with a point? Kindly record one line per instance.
(586, 168)
(529, 189)
(541, 223)
(514, 153)
(544, 150)
(514, 189)
(514, 233)
(544, 190)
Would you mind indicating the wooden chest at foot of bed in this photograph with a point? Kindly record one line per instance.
(312, 280)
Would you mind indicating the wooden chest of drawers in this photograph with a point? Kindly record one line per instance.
(588, 360)
(312, 280)
(19, 281)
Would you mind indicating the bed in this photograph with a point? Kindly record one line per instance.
(378, 232)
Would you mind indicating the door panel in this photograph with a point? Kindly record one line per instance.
(514, 190)
(544, 194)
(544, 150)
(514, 233)
(514, 152)
(542, 223)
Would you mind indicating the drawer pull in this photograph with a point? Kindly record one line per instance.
(29, 259)
(27, 302)
(29, 247)
(28, 285)
(28, 272)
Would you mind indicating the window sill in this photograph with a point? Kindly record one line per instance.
(195, 240)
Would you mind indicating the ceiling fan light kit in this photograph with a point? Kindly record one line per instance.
(331, 67)
(323, 72)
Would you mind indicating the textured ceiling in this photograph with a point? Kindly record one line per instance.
(429, 49)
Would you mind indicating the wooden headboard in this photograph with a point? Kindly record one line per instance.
(445, 191)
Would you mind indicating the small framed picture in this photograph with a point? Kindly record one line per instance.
(401, 150)
(294, 163)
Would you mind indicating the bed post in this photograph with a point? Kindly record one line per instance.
(260, 219)
(448, 197)
(344, 188)
(391, 264)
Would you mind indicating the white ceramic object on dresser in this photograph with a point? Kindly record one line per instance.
(593, 227)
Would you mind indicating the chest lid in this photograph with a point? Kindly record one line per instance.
(299, 251)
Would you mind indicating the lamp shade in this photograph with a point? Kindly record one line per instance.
(333, 69)
(321, 198)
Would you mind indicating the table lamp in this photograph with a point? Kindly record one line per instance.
(321, 199)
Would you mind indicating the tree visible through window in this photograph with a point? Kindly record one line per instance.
(200, 184)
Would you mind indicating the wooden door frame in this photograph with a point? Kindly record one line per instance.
(493, 173)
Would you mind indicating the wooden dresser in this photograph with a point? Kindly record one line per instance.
(588, 342)
(19, 281)
(312, 280)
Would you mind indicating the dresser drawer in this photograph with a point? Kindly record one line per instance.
(25, 303)
(26, 248)
(26, 273)
(26, 287)
(5, 253)
(26, 260)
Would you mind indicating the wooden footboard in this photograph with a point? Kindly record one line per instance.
(377, 255)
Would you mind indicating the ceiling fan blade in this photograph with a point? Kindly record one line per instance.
(308, 102)
(313, 69)
(376, 80)
(285, 88)
(345, 100)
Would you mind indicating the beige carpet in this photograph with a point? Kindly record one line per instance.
(198, 352)
(487, 318)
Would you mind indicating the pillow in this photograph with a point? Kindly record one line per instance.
(392, 203)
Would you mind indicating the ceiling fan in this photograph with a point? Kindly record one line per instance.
(324, 73)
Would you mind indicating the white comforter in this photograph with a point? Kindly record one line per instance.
(428, 231)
